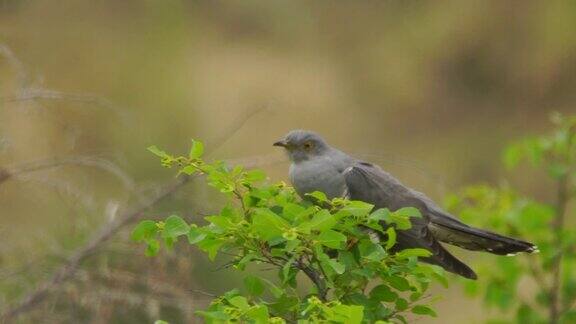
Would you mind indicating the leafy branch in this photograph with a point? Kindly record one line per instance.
(505, 210)
(342, 247)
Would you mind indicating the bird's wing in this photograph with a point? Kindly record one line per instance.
(369, 183)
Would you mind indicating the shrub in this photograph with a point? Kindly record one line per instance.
(342, 247)
(505, 210)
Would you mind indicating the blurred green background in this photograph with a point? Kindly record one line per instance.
(432, 91)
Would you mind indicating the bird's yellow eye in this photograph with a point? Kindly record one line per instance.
(308, 146)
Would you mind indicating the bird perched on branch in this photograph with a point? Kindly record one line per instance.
(316, 166)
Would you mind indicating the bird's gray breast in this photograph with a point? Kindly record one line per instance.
(318, 175)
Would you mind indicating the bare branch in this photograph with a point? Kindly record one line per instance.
(22, 75)
(71, 265)
(558, 223)
(32, 90)
(127, 278)
(315, 277)
(49, 163)
(232, 129)
(33, 94)
(106, 232)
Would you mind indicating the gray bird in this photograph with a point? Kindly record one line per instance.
(316, 166)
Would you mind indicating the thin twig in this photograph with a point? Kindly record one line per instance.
(237, 124)
(562, 200)
(36, 94)
(201, 292)
(569, 306)
(49, 163)
(536, 273)
(22, 75)
(557, 226)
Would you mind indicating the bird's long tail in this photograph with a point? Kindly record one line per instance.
(476, 239)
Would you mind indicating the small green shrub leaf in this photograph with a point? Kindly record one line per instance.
(144, 231)
(196, 150)
(254, 285)
(175, 226)
(423, 310)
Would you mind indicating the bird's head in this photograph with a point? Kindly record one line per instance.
(302, 145)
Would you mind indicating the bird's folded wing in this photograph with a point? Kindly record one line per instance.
(371, 184)
(367, 182)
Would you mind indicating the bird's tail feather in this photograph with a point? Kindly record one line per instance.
(476, 239)
(450, 263)
(424, 238)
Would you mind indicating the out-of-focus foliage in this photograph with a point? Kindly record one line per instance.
(342, 246)
(549, 278)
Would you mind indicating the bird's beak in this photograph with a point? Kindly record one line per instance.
(282, 143)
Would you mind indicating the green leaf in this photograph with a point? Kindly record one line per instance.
(347, 258)
(423, 310)
(338, 267)
(398, 283)
(144, 231)
(189, 170)
(534, 149)
(284, 304)
(383, 293)
(214, 315)
(332, 239)
(175, 226)
(408, 212)
(318, 196)
(169, 242)
(239, 301)
(439, 275)
(380, 214)
(152, 247)
(499, 295)
(254, 285)
(268, 224)
(234, 215)
(291, 245)
(211, 246)
(291, 234)
(401, 222)
(404, 254)
(259, 314)
(512, 156)
(350, 314)
(320, 221)
(401, 304)
(287, 273)
(391, 241)
(196, 150)
(220, 221)
(371, 251)
(276, 291)
(158, 152)
(254, 176)
(291, 211)
(358, 208)
(195, 234)
(160, 322)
